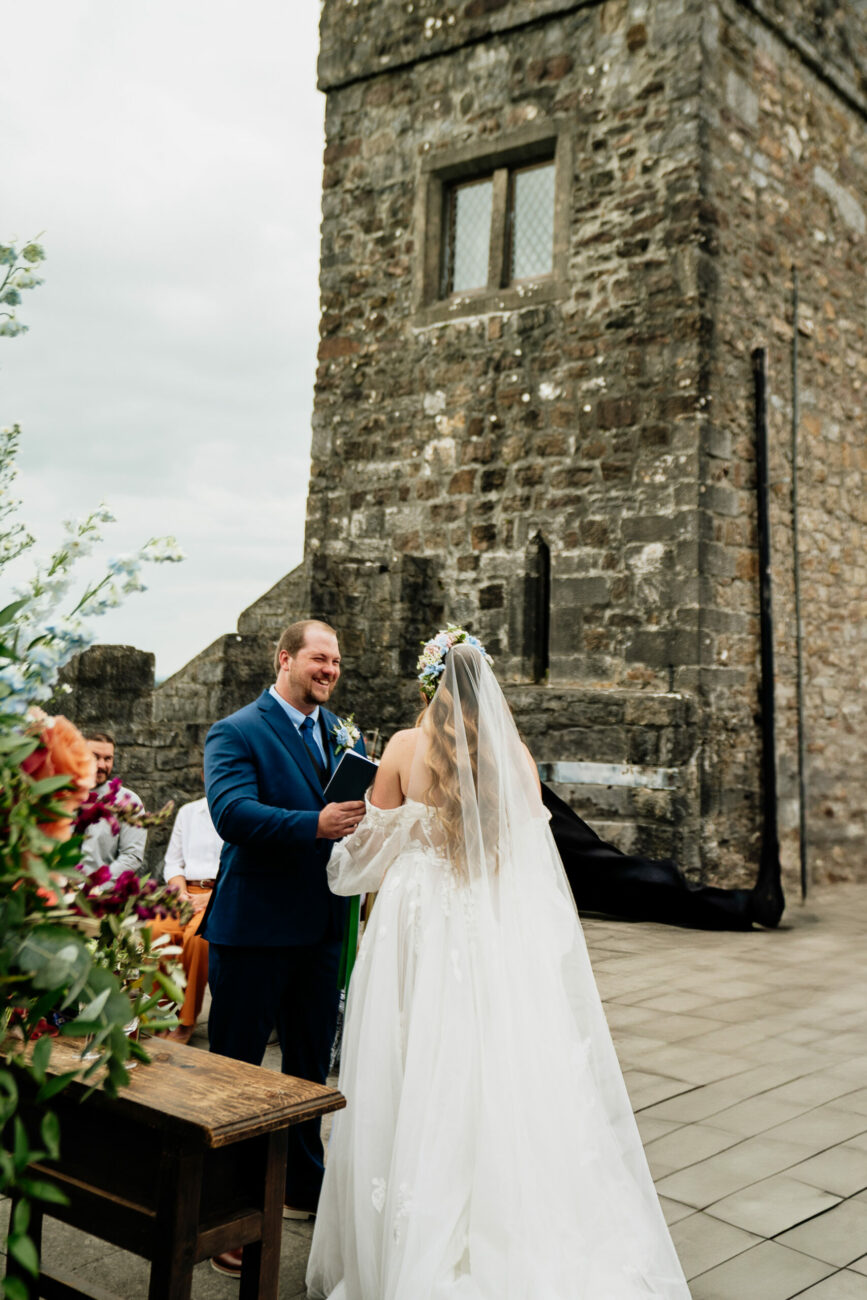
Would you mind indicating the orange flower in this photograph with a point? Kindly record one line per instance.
(62, 751)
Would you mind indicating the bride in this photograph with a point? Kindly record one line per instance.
(488, 1150)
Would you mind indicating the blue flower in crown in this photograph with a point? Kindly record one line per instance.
(431, 661)
(345, 734)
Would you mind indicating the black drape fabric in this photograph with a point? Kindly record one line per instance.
(603, 879)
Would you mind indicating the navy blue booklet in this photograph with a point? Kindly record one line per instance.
(351, 778)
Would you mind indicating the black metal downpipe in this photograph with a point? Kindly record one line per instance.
(799, 625)
(769, 883)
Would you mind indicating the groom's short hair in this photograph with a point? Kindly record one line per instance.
(294, 637)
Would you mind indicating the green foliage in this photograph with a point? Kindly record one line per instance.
(76, 957)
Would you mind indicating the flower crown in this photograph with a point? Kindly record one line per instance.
(432, 660)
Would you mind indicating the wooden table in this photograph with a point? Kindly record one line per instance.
(186, 1162)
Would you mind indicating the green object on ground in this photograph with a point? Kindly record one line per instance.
(350, 943)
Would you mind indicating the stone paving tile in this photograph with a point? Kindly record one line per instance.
(820, 1128)
(623, 1017)
(856, 1069)
(674, 1211)
(739, 1167)
(693, 1067)
(679, 1001)
(841, 1169)
(758, 1115)
(685, 1146)
(671, 1027)
(702, 1103)
(766, 1272)
(774, 1204)
(632, 1048)
(645, 1089)
(703, 1242)
(838, 1236)
(860, 1265)
(651, 1128)
(844, 1285)
(855, 1101)
(729, 1038)
(816, 1089)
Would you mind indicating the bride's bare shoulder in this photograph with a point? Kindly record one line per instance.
(394, 768)
(402, 740)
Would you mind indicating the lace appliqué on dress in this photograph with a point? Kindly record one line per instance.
(403, 1210)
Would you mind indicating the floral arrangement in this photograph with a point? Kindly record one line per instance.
(345, 733)
(431, 662)
(75, 951)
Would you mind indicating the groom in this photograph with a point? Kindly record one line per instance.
(274, 927)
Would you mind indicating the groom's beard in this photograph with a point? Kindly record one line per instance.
(312, 692)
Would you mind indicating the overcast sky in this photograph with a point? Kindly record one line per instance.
(170, 156)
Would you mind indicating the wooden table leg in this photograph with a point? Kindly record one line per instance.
(174, 1253)
(260, 1274)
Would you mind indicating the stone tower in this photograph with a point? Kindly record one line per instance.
(552, 234)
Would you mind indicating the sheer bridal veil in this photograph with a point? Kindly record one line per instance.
(488, 1151)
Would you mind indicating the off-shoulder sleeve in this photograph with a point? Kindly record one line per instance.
(358, 863)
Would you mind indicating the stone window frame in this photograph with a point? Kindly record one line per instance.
(496, 157)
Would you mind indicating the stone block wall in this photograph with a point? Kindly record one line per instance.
(786, 186)
(611, 421)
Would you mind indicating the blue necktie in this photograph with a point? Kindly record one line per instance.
(307, 736)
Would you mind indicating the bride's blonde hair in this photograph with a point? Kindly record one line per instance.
(443, 792)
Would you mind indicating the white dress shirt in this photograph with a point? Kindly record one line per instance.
(194, 846)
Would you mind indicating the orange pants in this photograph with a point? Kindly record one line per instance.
(194, 954)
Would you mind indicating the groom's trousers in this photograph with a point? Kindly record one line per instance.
(295, 989)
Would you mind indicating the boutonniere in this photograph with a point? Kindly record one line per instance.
(345, 734)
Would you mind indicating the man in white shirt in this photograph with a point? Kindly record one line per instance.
(191, 864)
(120, 851)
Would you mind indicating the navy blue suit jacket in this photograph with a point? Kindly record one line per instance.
(265, 798)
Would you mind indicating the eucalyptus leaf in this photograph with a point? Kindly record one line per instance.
(8, 612)
(49, 1131)
(54, 956)
(54, 1085)
(21, 1218)
(39, 1190)
(49, 784)
(94, 1008)
(21, 1148)
(8, 1095)
(15, 1288)
(40, 1058)
(169, 987)
(25, 1253)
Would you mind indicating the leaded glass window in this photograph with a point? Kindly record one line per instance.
(468, 236)
(531, 222)
(498, 228)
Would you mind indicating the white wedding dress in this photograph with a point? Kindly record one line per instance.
(488, 1149)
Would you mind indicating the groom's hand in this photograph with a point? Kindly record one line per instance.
(337, 820)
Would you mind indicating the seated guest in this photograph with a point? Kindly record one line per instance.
(192, 859)
(121, 849)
